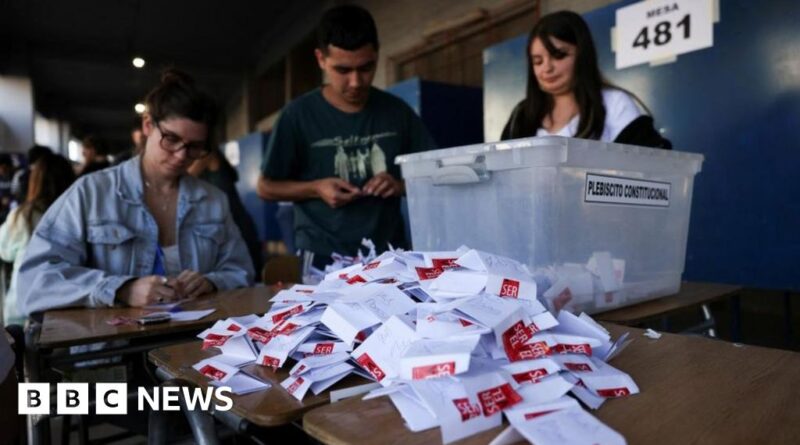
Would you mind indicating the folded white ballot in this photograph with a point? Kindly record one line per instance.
(531, 371)
(323, 347)
(434, 324)
(275, 352)
(380, 353)
(567, 426)
(429, 358)
(221, 373)
(459, 413)
(417, 415)
(545, 390)
(348, 320)
(313, 362)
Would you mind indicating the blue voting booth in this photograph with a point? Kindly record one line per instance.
(737, 103)
(251, 149)
(453, 114)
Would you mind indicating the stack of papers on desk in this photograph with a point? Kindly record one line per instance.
(456, 340)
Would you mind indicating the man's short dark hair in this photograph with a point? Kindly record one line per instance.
(348, 27)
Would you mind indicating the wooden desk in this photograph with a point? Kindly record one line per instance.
(269, 408)
(71, 327)
(693, 390)
(692, 294)
(60, 329)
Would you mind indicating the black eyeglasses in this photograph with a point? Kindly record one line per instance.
(173, 143)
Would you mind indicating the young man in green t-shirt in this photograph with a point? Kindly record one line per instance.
(332, 150)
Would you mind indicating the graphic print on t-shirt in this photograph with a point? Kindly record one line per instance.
(357, 158)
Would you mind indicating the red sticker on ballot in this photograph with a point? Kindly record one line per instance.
(212, 372)
(432, 371)
(366, 361)
(467, 410)
(214, 340)
(509, 288)
(498, 398)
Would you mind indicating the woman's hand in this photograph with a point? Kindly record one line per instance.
(152, 289)
(191, 284)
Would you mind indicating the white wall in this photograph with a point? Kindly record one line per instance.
(16, 113)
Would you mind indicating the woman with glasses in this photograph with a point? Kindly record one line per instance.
(145, 231)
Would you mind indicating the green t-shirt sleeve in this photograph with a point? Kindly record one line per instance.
(280, 155)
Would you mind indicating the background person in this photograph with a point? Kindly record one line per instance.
(51, 175)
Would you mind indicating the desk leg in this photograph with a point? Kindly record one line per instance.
(201, 423)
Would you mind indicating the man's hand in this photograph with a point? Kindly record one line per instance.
(191, 284)
(152, 289)
(336, 192)
(384, 185)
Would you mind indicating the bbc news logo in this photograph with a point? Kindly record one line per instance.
(112, 398)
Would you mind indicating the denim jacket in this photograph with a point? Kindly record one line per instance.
(99, 234)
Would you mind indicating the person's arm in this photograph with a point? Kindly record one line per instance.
(336, 192)
(54, 270)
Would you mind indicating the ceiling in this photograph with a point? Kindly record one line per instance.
(78, 53)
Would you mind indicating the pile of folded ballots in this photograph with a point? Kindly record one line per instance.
(456, 340)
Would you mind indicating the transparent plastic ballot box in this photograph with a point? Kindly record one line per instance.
(558, 205)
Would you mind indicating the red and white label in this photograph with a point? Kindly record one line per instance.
(530, 416)
(613, 392)
(296, 384)
(280, 316)
(372, 265)
(514, 338)
(532, 376)
(272, 362)
(433, 371)
(323, 349)
(366, 361)
(573, 349)
(212, 372)
(467, 410)
(465, 323)
(444, 263)
(509, 288)
(428, 273)
(285, 329)
(214, 340)
(530, 352)
(356, 279)
(260, 334)
(234, 327)
(497, 399)
(577, 366)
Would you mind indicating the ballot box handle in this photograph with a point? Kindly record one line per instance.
(468, 171)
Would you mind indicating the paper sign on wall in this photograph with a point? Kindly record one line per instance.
(655, 30)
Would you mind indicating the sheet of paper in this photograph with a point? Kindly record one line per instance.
(242, 383)
(297, 386)
(380, 353)
(215, 369)
(348, 320)
(416, 415)
(191, 315)
(319, 386)
(458, 413)
(568, 426)
(429, 358)
(277, 350)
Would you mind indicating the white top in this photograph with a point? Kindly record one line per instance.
(172, 260)
(621, 110)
